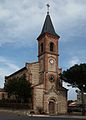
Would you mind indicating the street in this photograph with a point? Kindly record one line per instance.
(16, 116)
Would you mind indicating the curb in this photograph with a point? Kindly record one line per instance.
(26, 113)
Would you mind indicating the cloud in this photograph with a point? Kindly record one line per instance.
(1, 72)
(71, 92)
(70, 10)
(18, 19)
(8, 63)
(6, 67)
(73, 61)
(21, 19)
(69, 17)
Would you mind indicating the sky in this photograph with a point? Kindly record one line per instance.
(21, 22)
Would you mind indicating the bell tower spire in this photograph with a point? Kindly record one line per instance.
(48, 27)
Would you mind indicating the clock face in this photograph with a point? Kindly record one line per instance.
(51, 61)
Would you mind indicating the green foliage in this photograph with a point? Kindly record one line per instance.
(11, 86)
(19, 87)
(76, 75)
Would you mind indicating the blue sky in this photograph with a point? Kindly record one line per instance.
(21, 22)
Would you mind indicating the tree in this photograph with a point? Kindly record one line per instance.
(76, 76)
(19, 87)
(24, 89)
(11, 86)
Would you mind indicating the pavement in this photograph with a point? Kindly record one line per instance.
(27, 113)
(72, 116)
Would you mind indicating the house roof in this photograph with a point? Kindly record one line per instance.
(73, 104)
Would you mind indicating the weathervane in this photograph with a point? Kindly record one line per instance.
(48, 8)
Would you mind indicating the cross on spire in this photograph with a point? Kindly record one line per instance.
(48, 8)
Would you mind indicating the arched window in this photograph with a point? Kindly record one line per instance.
(41, 47)
(51, 46)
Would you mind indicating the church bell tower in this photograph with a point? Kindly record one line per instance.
(48, 54)
(52, 96)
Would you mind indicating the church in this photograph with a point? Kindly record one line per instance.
(48, 92)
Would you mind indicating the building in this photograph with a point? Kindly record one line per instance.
(48, 92)
(81, 99)
(3, 94)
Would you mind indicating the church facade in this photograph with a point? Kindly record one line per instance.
(48, 92)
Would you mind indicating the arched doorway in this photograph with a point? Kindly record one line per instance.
(52, 106)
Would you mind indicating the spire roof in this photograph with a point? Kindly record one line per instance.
(48, 26)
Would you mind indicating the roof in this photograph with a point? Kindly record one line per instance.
(48, 27)
(73, 104)
(22, 69)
